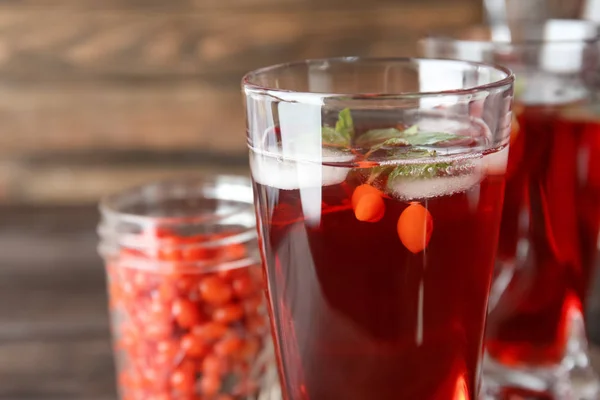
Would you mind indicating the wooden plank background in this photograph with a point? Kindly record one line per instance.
(133, 80)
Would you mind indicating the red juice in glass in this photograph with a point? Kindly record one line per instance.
(384, 297)
(553, 201)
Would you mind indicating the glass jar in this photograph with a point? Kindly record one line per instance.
(186, 291)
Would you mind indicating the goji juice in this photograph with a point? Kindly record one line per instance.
(378, 279)
(549, 232)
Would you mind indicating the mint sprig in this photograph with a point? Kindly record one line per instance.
(376, 137)
(342, 134)
(429, 170)
(399, 144)
(431, 138)
(389, 143)
(344, 124)
(332, 137)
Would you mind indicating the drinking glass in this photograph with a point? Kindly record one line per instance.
(551, 216)
(378, 188)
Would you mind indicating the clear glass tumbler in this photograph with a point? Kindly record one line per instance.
(378, 188)
(551, 216)
(186, 291)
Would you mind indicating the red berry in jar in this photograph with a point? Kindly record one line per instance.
(214, 365)
(183, 378)
(228, 313)
(215, 291)
(228, 346)
(210, 384)
(210, 331)
(243, 286)
(193, 346)
(186, 313)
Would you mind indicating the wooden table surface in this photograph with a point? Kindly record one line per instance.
(54, 337)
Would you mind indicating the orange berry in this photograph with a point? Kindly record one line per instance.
(249, 349)
(158, 330)
(234, 251)
(415, 227)
(210, 331)
(183, 378)
(228, 346)
(368, 204)
(210, 385)
(228, 313)
(160, 396)
(187, 313)
(215, 291)
(193, 346)
(169, 254)
(184, 283)
(141, 280)
(229, 274)
(167, 348)
(370, 208)
(362, 190)
(194, 253)
(243, 286)
(213, 365)
(166, 292)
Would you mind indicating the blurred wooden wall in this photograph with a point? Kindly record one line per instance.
(97, 95)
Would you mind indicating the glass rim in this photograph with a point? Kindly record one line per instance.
(447, 36)
(109, 204)
(249, 79)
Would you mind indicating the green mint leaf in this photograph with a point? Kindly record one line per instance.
(403, 153)
(344, 125)
(417, 171)
(411, 136)
(331, 137)
(342, 134)
(375, 136)
(431, 138)
(392, 142)
(411, 130)
(408, 153)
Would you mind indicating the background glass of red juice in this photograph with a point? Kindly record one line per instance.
(378, 188)
(551, 216)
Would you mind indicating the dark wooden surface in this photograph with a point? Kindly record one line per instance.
(80, 76)
(54, 338)
(119, 74)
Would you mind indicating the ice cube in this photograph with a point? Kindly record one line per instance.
(423, 188)
(287, 174)
(409, 189)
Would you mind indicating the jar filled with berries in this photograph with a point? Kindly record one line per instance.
(186, 291)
